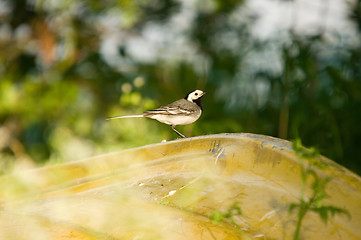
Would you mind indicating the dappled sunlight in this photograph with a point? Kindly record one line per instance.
(288, 69)
(172, 191)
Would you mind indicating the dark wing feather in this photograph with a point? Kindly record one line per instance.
(171, 109)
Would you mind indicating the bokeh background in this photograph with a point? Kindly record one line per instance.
(289, 69)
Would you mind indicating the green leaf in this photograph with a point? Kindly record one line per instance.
(235, 210)
(307, 153)
(217, 217)
(325, 211)
(293, 206)
(322, 212)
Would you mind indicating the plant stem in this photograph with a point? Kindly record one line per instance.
(296, 235)
(304, 208)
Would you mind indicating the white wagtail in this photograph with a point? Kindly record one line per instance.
(181, 112)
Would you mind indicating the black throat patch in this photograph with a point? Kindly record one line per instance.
(199, 103)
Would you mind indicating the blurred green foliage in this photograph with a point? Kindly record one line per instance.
(309, 159)
(67, 65)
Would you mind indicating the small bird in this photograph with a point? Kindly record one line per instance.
(181, 112)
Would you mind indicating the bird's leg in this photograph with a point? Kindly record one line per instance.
(179, 134)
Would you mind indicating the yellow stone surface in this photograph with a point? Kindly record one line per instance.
(169, 190)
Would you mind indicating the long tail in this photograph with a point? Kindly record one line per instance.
(126, 116)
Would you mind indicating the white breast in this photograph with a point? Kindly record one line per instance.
(176, 119)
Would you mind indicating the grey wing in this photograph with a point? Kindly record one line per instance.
(171, 109)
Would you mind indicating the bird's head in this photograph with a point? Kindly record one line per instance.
(195, 95)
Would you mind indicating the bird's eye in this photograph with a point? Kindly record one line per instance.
(196, 94)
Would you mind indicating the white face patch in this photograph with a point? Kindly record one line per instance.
(195, 95)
